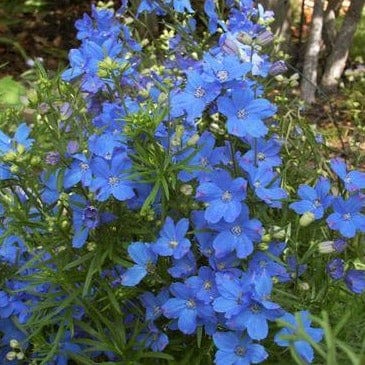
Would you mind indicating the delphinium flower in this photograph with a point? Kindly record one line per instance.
(266, 185)
(180, 6)
(238, 236)
(79, 171)
(224, 196)
(203, 284)
(12, 305)
(295, 269)
(336, 268)
(11, 249)
(145, 259)
(153, 303)
(20, 138)
(355, 280)
(301, 346)
(172, 241)
(314, 200)
(153, 338)
(245, 113)
(203, 159)
(50, 192)
(263, 151)
(269, 261)
(235, 348)
(186, 308)
(198, 92)
(347, 217)
(211, 13)
(225, 68)
(111, 178)
(184, 267)
(234, 294)
(258, 309)
(85, 217)
(353, 180)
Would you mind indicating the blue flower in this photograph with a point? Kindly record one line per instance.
(245, 114)
(195, 97)
(11, 249)
(145, 259)
(294, 323)
(204, 284)
(172, 241)
(210, 11)
(236, 349)
(314, 200)
(258, 309)
(154, 303)
(112, 179)
(265, 183)
(153, 338)
(347, 217)
(262, 152)
(186, 308)
(353, 180)
(78, 171)
(225, 68)
(355, 280)
(237, 236)
(224, 196)
(336, 268)
(183, 267)
(234, 294)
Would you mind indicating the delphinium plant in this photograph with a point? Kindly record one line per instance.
(161, 210)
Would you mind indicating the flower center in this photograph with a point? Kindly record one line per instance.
(317, 203)
(242, 114)
(240, 351)
(222, 75)
(84, 166)
(261, 156)
(227, 196)
(199, 92)
(236, 230)
(207, 285)
(257, 184)
(173, 243)
(255, 308)
(204, 162)
(347, 216)
(113, 180)
(190, 303)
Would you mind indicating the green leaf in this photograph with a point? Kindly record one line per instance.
(10, 91)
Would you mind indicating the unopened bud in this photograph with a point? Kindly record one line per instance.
(14, 344)
(326, 247)
(186, 189)
(11, 355)
(306, 219)
(277, 68)
(20, 356)
(304, 286)
(278, 233)
(264, 38)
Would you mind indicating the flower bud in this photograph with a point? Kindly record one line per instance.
(278, 68)
(304, 286)
(186, 189)
(11, 355)
(14, 344)
(278, 233)
(20, 356)
(326, 247)
(306, 219)
(264, 38)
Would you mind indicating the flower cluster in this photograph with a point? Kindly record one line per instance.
(159, 209)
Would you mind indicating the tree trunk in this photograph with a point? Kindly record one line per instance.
(336, 61)
(329, 24)
(309, 79)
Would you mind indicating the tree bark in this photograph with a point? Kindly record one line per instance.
(329, 24)
(336, 61)
(309, 79)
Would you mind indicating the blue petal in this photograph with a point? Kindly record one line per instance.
(133, 275)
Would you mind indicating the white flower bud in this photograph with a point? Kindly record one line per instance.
(326, 247)
(11, 355)
(306, 219)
